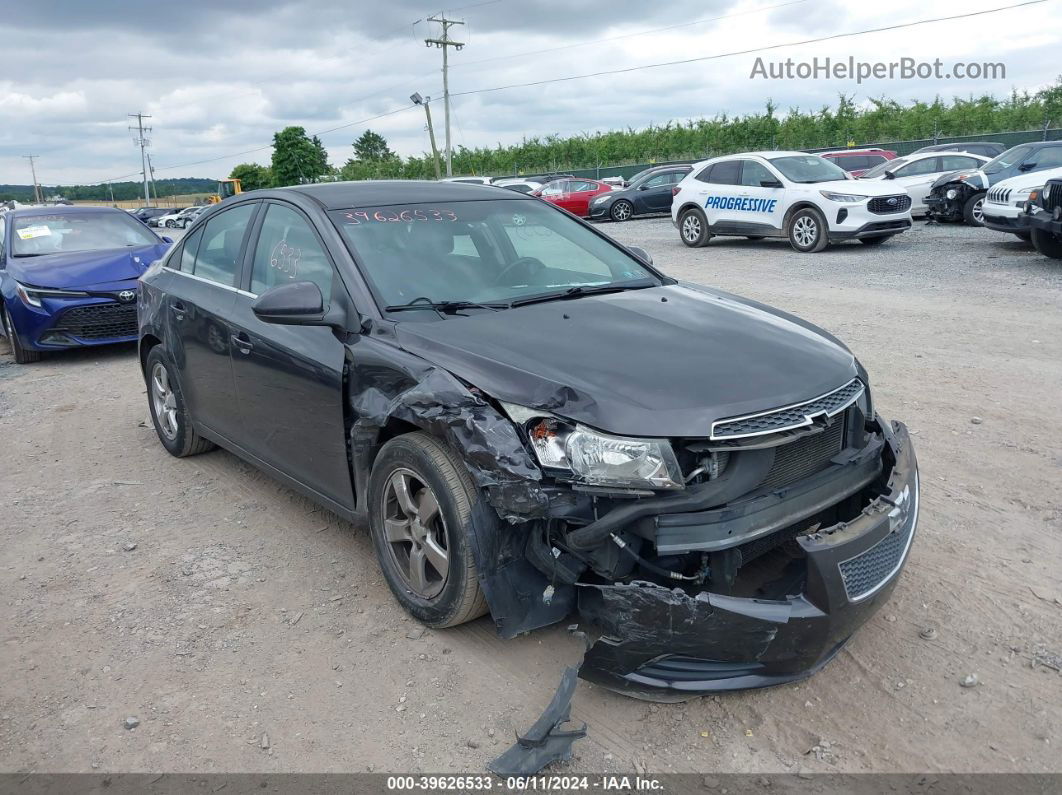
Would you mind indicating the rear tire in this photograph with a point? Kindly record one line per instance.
(973, 210)
(693, 228)
(808, 233)
(874, 241)
(1047, 244)
(1026, 236)
(421, 501)
(22, 355)
(168, 410)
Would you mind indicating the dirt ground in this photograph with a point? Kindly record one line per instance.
(249, 630)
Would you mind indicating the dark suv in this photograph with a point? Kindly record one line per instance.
(534, 422)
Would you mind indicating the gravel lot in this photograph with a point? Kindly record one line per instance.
(248, 630)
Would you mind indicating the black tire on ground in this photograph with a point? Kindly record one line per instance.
(171, 225)
(22, 355)
(807, 231)
(175, 429)
(1047, 244)
(693, 228)
(440, 493)
(874, 241)
(621, 210)
(971, 211)
(1026, 236)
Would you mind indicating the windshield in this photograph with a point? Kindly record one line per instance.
(1009, 158)
(881, 168)
(36, 235)
(487, 252)
(808, 168)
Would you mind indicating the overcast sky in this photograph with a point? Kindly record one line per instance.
(219, 79)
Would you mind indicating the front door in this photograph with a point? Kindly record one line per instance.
(198, 307)
(289, 379)
(760, 206)
(654, 195)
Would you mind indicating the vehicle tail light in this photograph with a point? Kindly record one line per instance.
(675, 190)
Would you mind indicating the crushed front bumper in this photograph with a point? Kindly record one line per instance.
(665, 644)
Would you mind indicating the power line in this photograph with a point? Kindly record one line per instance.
(717, 56)
(628, 35)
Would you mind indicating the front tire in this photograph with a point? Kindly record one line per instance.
(421, 500)
(807, 231)
(973, 210)
(171, 225)
(1047, 244)
(693, 228)
(622, 210)
(22, 355)
(168, 410)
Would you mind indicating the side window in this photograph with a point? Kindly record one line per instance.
(219, 249)
(579, 187)
(705, 174)
(659, 181)
(288, 251)
(726, 173)
(555, 188)
(1051, 157)
(926, 166)
(753, 173)
(184, 260)
(873, 160)
(957, 162)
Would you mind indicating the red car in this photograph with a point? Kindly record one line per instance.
(859, 161)
(574, 195)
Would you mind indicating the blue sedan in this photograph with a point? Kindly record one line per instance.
(69, 277)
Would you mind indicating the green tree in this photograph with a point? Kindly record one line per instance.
(372, 147)
(296, 160)
(252, 176)
(321, 165)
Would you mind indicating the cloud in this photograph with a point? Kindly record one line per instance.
(221, 79)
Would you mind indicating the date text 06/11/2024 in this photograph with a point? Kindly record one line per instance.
(470, 783)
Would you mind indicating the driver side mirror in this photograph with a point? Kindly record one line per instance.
(890, 175)
(641, 254)
(168, 240)
(293, 304)
(770, 183)
(1026, 166)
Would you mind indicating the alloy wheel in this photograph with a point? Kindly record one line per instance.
(691, 228)
(164, 401)
(805, 231)
(978, 211)
(415, 531)
(622, 211)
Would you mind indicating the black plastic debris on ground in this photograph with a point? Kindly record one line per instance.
(546, 741)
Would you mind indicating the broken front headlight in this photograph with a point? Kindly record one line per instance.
(596, 458)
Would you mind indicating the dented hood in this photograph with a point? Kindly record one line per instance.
(633, 363)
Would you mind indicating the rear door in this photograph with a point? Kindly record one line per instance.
(289, 379)
(198, 307)
(722, 194)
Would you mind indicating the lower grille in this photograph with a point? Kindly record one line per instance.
(805, 456)
(99, 321)
(883, 205)
(863, 573)
(679, 668)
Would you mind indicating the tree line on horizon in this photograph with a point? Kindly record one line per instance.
(300, 158)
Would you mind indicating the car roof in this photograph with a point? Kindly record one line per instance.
(372, 193)
(873, 150)
(60, 209)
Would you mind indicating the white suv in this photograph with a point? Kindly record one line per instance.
(1004, 207)
(802, 197)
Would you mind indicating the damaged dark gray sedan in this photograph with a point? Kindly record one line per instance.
(536, 423)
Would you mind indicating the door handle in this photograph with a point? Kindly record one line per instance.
(242, 342)
(178, 310)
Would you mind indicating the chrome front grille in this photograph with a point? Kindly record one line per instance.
(1052, 195)
(999, 195)
(791, 417)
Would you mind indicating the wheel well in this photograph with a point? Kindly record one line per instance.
(393, 428)
(801, 206)
(147, 342)
(688, 206)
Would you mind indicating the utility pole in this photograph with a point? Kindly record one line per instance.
(417, 99)
(37, 197)
(143, 143)
(445, 43)
(151, 171)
